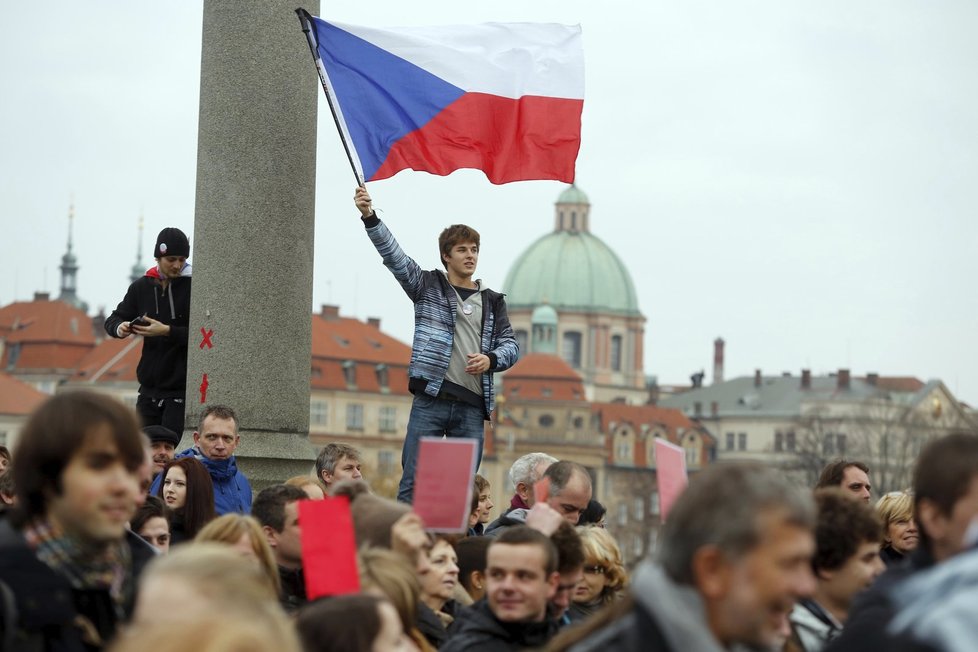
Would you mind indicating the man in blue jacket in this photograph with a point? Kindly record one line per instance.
(462, 335)
(215, 441)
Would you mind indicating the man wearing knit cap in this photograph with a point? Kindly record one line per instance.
(163, 443)
(157, 307)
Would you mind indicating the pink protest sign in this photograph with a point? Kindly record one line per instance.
(670, 463)
(329, 549)
(443, 483)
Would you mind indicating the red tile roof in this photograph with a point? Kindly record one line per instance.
(636, 415)
(46, 335)
(344, 338)
(112, 360)
(907, 384)
(540, 376)
(17, 398)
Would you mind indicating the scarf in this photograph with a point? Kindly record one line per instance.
(83, 567)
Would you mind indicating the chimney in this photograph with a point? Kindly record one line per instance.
(843, 380)
(718, 360)
(42, 296)
(330, 312)
(806, 378)
(757, 378)
(714, 409)
(872, 379)
(374, 321)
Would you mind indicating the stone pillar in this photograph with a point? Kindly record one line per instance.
(253, 232)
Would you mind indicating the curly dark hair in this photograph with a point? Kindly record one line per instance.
(842, 525)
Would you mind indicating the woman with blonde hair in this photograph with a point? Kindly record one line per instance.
(308, 484)
(389, 574)
(604, 573)
(245, 536)
(900, 535)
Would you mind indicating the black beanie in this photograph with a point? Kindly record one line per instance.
(162, 433)
(171, 242)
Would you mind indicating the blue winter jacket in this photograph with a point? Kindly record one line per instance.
(232, 492)
(435, 312)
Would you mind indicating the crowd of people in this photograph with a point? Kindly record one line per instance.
(110, 539)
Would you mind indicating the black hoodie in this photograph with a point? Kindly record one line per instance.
(476, 629)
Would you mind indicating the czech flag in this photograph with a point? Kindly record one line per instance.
(504, 98)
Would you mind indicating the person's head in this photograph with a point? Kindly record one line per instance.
(277, 510)
(337, 462)
(570, 566)
(8, 491)
(945, 489)
(163, 442)
(314, 490)
(78, 460)
(217, 433)
(847, 536)
(208, 582)
(459, 247)
(604, 572)
(570, 489)
(471, 553)
(850, 475)
(521, 575)
(351, 623)
(187, 489)
(4, 457)
(439, 580)
(484, 503)
(244, 535)
(152, 523)
(593, 515)
(895, 511)
(526, 471)
(237, 633)
(741, 536)
(171, 252)
(390, 575)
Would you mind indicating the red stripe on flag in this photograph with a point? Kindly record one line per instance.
(509, 140)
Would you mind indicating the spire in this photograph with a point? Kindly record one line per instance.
(137, 268)
(572, 211)
(69, 267)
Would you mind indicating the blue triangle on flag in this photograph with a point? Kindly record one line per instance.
(382, 96)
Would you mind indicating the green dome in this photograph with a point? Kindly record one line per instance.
(572, 195)
(571, 270)
(544, 315)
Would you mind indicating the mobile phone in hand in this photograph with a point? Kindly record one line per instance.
(139, 321)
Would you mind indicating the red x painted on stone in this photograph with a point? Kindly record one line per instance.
(208, 334)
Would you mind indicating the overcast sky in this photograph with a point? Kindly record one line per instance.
(799, 179)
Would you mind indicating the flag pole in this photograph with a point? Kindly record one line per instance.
(306, 21)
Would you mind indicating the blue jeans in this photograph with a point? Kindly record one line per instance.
(434, 417)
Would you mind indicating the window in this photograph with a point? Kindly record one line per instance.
(13, 355)
(388, 418)
(546, 421)
(622, 514)
(616, 352)
(637, 546)
(521, 340)
(318, 411)
(578, 422)
(571, 349)
(385, 463)
(840, 443)
(828, 444)
(639, 508)
(654, 503)
(730, 441)
(790, 441)
(350, 373)
(778, 441)
(742, 441)
(382, 376)
(354, 416)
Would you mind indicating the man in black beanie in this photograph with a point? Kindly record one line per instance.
(157, 307)
(163, 442)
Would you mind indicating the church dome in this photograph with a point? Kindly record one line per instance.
(571, 269)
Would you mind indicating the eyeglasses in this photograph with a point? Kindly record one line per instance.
(595, 570)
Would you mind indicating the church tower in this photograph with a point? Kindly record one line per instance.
(69, 268)
(137, 268)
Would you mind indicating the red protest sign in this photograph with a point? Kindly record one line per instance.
(329, 549)
(541, 490)
(670, 465)
(443, 483)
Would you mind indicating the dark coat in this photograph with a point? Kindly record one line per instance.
(162, 369)
(45, 604)
(476, 629)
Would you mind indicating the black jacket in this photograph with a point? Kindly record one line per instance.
(162, 369)
(46, 605)
(293, 589)
(476, 629)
